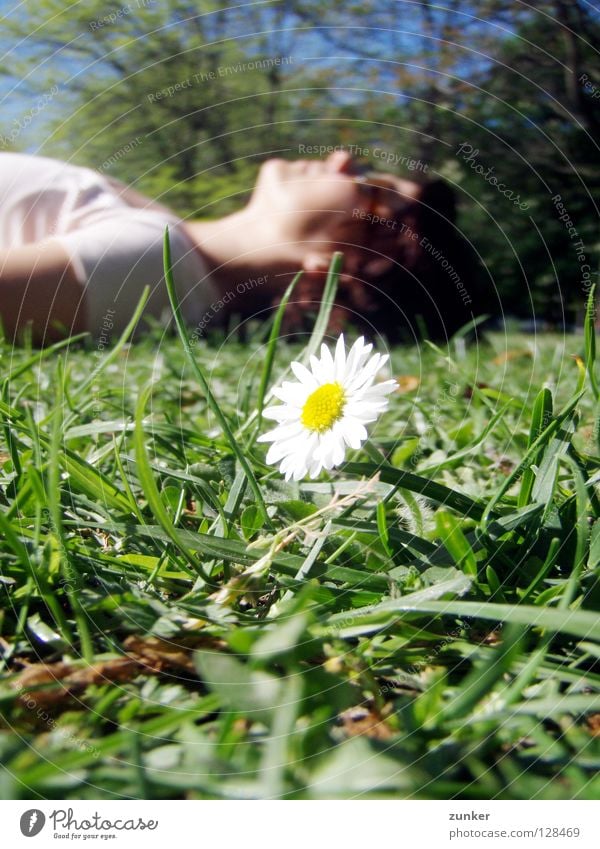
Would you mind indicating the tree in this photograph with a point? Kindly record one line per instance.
(162, 92)
(185, 99)
(534, 118)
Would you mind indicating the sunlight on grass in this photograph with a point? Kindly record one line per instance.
(178, 621)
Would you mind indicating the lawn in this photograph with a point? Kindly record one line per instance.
(420, 623)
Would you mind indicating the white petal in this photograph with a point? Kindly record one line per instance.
(339, 449)
(304, 376)
(299, 472)
(327, 365)
(267, 437)
(297, 446)
(357, 407)
(274, 454)
(380, 389)
(329, 449)
(365, 417)
(360, 351)
(340, 359)
(278, 451)
(373, 402)
(283, 432)
(356, 361)
(296, 454)
(291, 393)
(354, 357)
(282, 413)
(316, 368)
(367, 374)
(354, 433)
(293, 467)
(310, 445)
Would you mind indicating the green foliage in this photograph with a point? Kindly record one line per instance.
(159, 95)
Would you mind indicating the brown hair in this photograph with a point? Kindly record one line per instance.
(430, 288)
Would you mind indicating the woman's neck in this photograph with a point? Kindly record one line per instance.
(238, 249)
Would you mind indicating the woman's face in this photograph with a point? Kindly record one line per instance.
(328, 202)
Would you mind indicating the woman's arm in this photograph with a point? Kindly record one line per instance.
(39, 287)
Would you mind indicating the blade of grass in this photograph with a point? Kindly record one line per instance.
(579, 623)
(111, 356)
(376, 616)
(451, 535)
(464, 452)
(407, 480)
(484, 676)
(329, 292)
(72, 580)
(210, 398)
(43, 354)
(553, 552)
(531, 452)
(319, 329)
(76, 759)
(271, 344)
(590, 341)
(582, 530)
(81, 473)
(124, 479)
(540, 417)
(151, 492)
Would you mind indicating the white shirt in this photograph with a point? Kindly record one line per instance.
(113, 236)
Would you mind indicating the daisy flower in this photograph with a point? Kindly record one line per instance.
(325, 411)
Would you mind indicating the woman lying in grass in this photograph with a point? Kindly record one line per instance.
(78, 248)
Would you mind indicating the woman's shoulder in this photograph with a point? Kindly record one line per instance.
(27, 166)
(133, 198)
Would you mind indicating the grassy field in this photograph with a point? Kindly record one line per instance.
(422, 623)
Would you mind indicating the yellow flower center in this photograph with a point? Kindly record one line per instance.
(323, 407)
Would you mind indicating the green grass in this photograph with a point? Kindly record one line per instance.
(422, 623)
